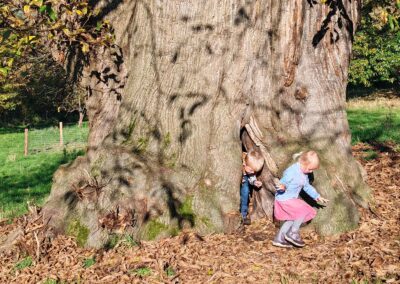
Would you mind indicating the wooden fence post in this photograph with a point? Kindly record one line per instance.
(61, 134)
(26, 143)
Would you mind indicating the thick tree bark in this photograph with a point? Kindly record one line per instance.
(168, 103)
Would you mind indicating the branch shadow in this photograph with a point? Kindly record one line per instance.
(336, 8)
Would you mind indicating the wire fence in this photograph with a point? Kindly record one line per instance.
(32, 141)
(28, 160)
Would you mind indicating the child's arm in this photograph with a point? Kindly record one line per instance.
(253, 181)
(310, 190)
(278, 185)
(252, 178)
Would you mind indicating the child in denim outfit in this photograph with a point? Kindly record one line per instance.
(288, 207)
(253, 162)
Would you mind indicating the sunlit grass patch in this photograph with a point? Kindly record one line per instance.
(29, 178)
(378, 124)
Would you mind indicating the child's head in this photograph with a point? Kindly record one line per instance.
(254, 160)
(309, 161)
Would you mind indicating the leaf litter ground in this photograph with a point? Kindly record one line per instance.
(372, 252)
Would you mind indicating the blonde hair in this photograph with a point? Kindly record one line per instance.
(309, 157)
(254, 160)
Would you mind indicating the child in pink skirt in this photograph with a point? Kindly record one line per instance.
(289, 207)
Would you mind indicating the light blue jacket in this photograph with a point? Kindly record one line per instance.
(295, 180)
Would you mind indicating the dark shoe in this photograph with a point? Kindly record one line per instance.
(246, 221)
(294, 238)
(281, 244)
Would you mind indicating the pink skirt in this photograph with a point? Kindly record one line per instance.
(293, 209)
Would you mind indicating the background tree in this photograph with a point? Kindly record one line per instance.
(36, 39)
(37, 91)
(376, 56)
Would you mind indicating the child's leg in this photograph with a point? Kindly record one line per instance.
(283, 230)
(279, 239)
(293, 235)
(296, 224)
(303, 213)
(244, 197)
(307, 216)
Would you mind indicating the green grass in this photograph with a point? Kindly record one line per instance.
(88, 262)
(26, 262)
(41, 140)
(374, 125)
(170, 271)
(142, 271)
(29, 178)
(50, 281)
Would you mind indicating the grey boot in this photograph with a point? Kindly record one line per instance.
(281, 243)
(294, 238)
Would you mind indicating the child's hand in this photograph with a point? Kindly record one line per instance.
(322, 200)
(281, 186)
(258, 183)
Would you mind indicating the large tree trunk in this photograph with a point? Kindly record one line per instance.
(169, 101)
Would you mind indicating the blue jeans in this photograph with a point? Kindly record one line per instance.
(244, 196)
